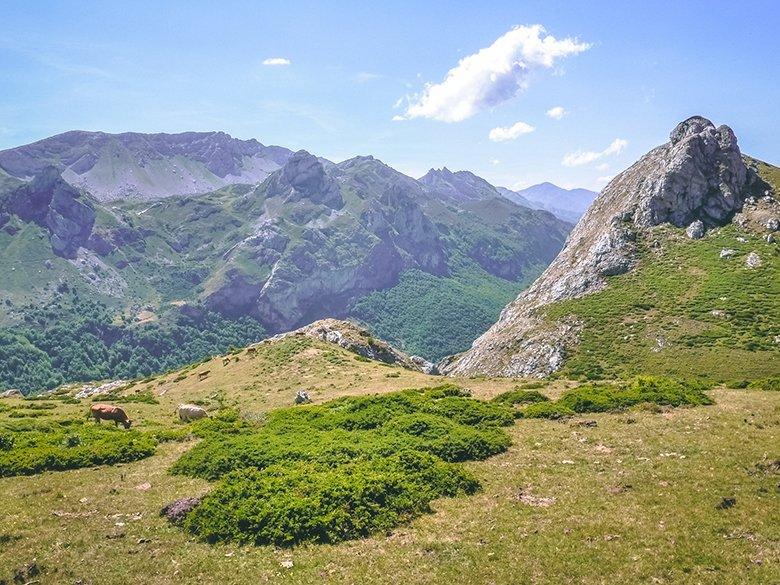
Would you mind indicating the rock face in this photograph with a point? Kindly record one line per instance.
(146, 166)
(55, 205)
(359, 341)
(698, 176)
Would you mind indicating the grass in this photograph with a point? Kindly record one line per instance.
(683, 312)
(632, 499)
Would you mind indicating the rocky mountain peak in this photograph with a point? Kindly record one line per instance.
(698, 176)
(303, 176)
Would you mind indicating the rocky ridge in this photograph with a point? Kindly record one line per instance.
(698, 180)
(359, 341)
(145, 166)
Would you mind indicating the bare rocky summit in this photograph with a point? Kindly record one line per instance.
(698, 180)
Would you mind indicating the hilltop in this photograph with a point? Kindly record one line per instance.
(673, 269)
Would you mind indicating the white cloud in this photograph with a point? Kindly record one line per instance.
(605, 179)
(510, 132)
(556, 113)
(576, 159)
(495, 161)
(276, 61)
(492, 75)
(602, 167)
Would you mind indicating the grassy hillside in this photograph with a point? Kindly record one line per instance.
(635, 496)
(682, 311)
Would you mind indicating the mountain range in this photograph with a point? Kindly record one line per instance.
(292, 238)
(568, 204)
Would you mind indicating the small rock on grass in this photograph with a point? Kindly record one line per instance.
(726, 503)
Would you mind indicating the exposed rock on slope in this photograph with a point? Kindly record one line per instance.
(698, 176)
(359, 341)
(146, 166)
(55, 205)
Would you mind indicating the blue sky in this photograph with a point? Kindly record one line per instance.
(624, 72)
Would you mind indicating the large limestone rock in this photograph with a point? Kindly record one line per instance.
(698, 176)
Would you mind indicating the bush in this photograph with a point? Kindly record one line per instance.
(69, 445)
(519, 396)
(609, 397)
(551, 410)
(340, 470)
(772, 384)
(287, 504)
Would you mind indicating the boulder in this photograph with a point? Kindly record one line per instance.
(753, 260)
(727, 253)
(695, 230)
(773, 224)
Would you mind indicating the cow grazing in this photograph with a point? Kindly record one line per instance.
(188, 412)
(203, 375)
(225, 361)
(251, 350)
(110, 412)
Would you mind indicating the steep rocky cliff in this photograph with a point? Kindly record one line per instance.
(698, 180)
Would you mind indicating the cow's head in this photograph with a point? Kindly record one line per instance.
(127, 423)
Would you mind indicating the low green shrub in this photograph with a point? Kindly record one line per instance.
(551, 410)
(609, 397)
(286, 504)
(520, 396)
(55, 446)
(344, 469)
(772, 384)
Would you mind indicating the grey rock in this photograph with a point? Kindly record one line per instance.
(773, 224)
(770, 239)
(727, 253)
(695, 231)
(699, 175)
(302, 397)
(753, 260)
(176, 511)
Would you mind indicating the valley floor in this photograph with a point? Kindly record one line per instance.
(636, 498)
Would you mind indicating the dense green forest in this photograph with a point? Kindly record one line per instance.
(79, 340)
(434, 316)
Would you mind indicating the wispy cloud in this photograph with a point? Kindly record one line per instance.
(605, 179)
(556, 113)
(276, 61)
(579, 158)
(491, 76)
(501, 134)
(365, 77)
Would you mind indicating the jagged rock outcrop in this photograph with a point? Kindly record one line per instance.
(698, 176)
(359, 341)
(52, 203)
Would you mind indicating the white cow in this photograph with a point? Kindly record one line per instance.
(188, 412)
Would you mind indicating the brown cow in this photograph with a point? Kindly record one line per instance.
(109, 412)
